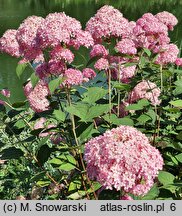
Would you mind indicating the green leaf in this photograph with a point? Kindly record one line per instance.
(38, 176)
(59, 115)
(152, 115)
(80, 110)
(152, 194)
(177, 103)
(165, 178)
(54, 84)
(87, 133)
(20, 69)
(134, 107)
(43, 154)
(94, 94)
(118, 121)
(43, 183)
(179, 157)
(95, 187)
(11, 153)
(147, 51)
(67, 157)
(143, 102)
(67, 167)
(143, 118)
(130, 64)
(55, 161)
(121, 86)
(77, 195)
(34, 79)
(96, 111)
(179, 136)
(65, 161)
(20, 124)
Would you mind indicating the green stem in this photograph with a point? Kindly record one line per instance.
(109, 90)
(161, 78)
(119, 94)
(79, 152)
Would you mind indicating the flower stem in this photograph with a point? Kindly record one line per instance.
(161, 78)
(119, 94)
(109, 90)
(79, 152)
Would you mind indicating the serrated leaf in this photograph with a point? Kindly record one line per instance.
(96, 111)
(118, 121)
(55, 161)
(129, 64)
(134, 107)
(34, 80)
(152, 194)
(20, 69)
(43, 183)
(95, 187)
(94, 94)
(177, 103)
(66, 157)
(67, 167)
(54, 84)
(143, 102)
(77, 195)
(152, 115)
(121, 86)
(165, 178)
(20, 124)
(143, 118)
(179, 157)
(87, 133)
(147, 51)
(79, 110)
(59, 115)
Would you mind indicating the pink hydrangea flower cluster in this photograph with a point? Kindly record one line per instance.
(88, 73)
(37, 96)
(147, 90)
(60, 53)
(167, 18)
(122, 158)
(178, 62)
(26, 37)
(47, 42)
(59, 28)
(151, 31)
(168, 54)
(107, 22)
(9, 44)
(126, 46)
(72, 77)
(99, 50)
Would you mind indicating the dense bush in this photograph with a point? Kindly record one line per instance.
(107, 128)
